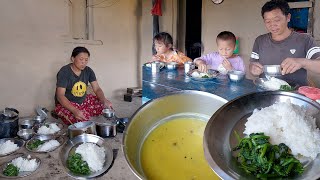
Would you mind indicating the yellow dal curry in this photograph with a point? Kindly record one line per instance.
(174, 150)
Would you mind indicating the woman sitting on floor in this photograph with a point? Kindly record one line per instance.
(72, 101)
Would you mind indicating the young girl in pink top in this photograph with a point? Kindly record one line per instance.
(224, 60)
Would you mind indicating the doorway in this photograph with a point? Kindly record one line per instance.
(193, 45)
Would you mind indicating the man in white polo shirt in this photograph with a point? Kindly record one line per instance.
(295, 52)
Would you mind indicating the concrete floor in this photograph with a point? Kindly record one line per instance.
(51, 167)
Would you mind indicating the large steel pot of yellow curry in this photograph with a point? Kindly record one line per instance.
(164, 139)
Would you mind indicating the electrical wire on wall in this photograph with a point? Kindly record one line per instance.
(105, 3)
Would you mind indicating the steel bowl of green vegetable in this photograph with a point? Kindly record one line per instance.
(224, 141)
(73, 162)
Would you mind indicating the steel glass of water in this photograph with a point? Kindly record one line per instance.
(188, 66)
(155, 67)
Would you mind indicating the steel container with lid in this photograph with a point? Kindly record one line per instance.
(9, 123)
(106, 127)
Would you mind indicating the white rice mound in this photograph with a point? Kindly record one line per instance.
(49, 145)
(8, 147)
(25, 164)
(93, 155)
(287, 123)
(53, 128)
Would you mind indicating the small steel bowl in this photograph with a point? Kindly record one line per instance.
(26, 123)
(39, 119)
(236, 75)
(108, 113)
(171, 65)
(272, 70)
(25, 134)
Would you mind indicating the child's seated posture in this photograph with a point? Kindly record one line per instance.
(163, 44)
(224, 60)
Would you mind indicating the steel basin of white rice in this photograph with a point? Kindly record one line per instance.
(287, 123)
(8, 147)
(93, 155)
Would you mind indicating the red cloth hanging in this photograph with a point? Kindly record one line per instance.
(156, 9)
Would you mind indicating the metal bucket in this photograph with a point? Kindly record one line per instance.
(147, 117)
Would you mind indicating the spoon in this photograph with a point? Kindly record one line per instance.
(71, 123)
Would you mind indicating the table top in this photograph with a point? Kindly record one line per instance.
(158, 84)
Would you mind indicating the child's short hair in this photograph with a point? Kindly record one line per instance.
(276, 4)
(164, 37)
(227, 36)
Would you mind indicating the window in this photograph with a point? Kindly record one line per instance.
(81, 22)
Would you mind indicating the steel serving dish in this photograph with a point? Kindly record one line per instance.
(21, 173)
(171, 65)
(45, 138)
(108, 113)
(272, 70)
(236, 75)
(18, 142)
(25, 134)
(194, 104)
(79, 128)
(219, 138)
(26, 123)
(39, 119)
(71, 145)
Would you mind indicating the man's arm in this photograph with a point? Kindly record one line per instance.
(290, 65)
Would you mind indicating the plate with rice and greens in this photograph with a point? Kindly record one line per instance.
(274, 84)
(263, 135)
(20, 166)
(203, 76)
(44, 143)
(9, 146)
(48, 128)
(86, 156)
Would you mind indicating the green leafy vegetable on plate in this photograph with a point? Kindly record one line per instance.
(258, 157)
(286, 88)
(11, 170)
(35, 144)
(77, 165)
(205, 76)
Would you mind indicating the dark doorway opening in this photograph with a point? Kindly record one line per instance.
(193, 28)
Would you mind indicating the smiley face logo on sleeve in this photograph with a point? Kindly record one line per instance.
(79, 89)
